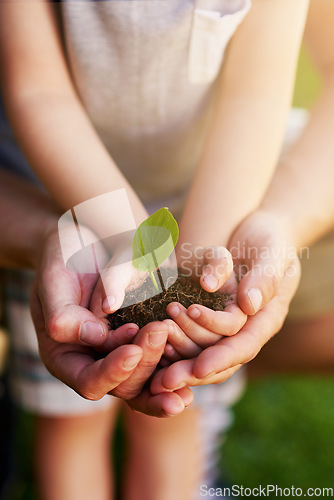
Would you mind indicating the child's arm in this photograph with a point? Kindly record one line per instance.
(48, 118)
(241, 150)
(245, 139)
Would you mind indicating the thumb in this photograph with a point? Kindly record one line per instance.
(115, 280)
(63, 318)
(217, 268)
(261, 282)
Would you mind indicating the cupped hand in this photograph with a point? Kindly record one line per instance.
(198, 327)
(262, 253)
(261, 256)
(59, 305)
(217, 363)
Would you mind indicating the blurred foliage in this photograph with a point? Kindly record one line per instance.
(308, 83)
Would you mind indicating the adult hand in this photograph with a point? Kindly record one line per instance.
(59, 302)
(266, 263)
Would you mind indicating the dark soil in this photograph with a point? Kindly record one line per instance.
(143, 310)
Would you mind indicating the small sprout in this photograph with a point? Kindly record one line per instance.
(154, 241)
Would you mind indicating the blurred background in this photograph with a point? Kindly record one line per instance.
(283, 430)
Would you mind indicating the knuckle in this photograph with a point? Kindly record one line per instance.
(211, 323)
(148, 363)
(55, 326)
(127, 393)
(85, 389)
(279, 319)
(230, 354)
(273, 283)
(254, 349)
(187, 324)
(87, 393)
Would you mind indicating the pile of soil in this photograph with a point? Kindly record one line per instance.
(143, 310)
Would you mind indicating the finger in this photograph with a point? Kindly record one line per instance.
(218, 378)
(115, 280)
(162, 405)
(194, 331)
(218, 266)
(182, 344)
(156, 385)
(181, 375)
(229, 289)
(121, 336)
(227, 322)
(243, 347)
(261, 282)
(94, 380)
(76, 365)
(152, 339)
(174, 377)
(65, 320)
(170, 354)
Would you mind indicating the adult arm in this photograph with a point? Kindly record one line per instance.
(46, 113)
(26, 217)
(53, 128)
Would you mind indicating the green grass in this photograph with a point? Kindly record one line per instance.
(283, 434)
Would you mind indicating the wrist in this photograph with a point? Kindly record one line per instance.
(262, 236)
(45, 227)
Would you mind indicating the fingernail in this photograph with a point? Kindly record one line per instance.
(91, 333)
(173, 310)
(108, 302)
(132, 361)
(255, 298)
(156, 338)
(194, 312)
(169, 350)
(211, 282)
(171, 329)
(178, 387)
(132, 331)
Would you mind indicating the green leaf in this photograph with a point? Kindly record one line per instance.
(154, 240)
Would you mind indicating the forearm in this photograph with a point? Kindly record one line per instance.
(27, 215)
(234, 172)
(65, 150)
(247, 129)
(301, 194)
(46, 113)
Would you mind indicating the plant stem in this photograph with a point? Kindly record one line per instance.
(162, 284)
(154, 281)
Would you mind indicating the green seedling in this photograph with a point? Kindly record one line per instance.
(154, 241)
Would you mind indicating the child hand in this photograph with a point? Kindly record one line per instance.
(114, 280)
(198, 327)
